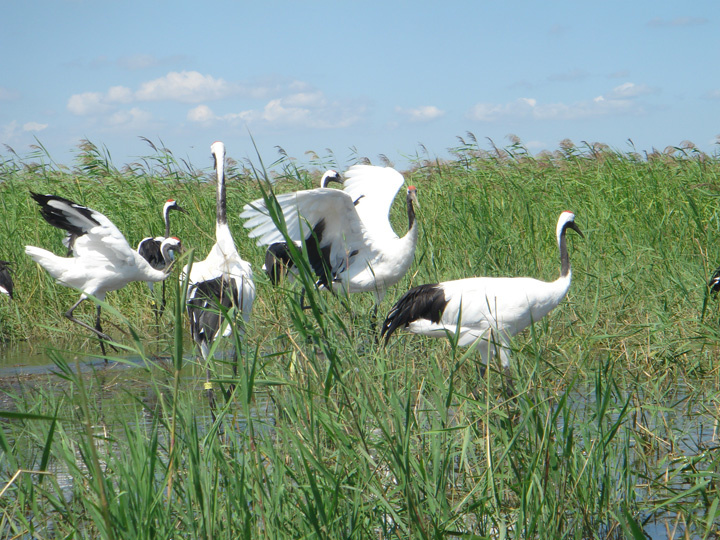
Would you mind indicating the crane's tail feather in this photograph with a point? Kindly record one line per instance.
(421, 302)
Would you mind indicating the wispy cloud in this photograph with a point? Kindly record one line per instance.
(619, 74)
(421, 114)
(712, 94)
(185, 87)
(301, 109)
(568, 76)
(137, 62)
(34, 126)
(659, 22)
(281, 103)
(7, 95)
(620, 100)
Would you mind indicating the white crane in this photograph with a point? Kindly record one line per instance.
(222, 281)
(485, 310)
(150, 249)
(6, 282)
(349, 240)
(102, 260)
(277, 257)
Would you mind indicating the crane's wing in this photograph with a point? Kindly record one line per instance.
(373, 190)
(96, 235)
(328, 214)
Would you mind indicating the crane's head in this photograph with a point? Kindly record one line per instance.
(412, 195)
(217, 149)
(567, 221)
(330, 176)
(172, 204)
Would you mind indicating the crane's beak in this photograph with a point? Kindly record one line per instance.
(413, 197)
(336, 178)
(575, 228)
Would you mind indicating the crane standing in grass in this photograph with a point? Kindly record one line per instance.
(151, 250)
(221, 282)
(102, 260)
(484, 311)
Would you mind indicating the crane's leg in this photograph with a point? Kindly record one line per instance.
(373, 319)
(162, 299)
(97, 330)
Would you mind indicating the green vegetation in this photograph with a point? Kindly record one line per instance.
(326, 434)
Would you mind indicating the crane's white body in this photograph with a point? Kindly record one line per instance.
(492, 310)
(102, 260)
(484, 312)
(223, 263)
(364, 253)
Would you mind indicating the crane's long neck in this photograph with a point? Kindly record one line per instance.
(221, 208)
(565, 270)
(166, 217)
(412, 234)
(223, 236)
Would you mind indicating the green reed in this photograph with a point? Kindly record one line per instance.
(325, 433)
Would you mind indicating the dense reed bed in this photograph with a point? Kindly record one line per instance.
(325, 433)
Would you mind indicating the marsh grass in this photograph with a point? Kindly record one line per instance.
(325, 433)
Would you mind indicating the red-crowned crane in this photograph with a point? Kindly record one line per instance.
(350, 242)
(6, 282)
(277, 257)
(102, 260)
(222, 281)
(486, 311)
(150, 249)
(714, 283)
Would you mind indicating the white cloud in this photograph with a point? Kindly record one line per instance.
(132, 118)
(34, 126)
(88, 103)
(302, 109)
(620, 100)
(629, 90)
(288, 103)
(184, 86)
(202, 114)
(421, 114)
(713, 94)
(119, 94)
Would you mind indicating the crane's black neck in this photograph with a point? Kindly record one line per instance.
(410, 211)
(166, 217)
(564, 257)
(221, 210)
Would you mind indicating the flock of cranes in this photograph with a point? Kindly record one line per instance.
(348, 241)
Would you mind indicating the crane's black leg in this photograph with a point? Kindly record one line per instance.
(98, 327)
(97, 330)
(162, 300)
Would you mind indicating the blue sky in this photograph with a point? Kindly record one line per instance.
(358, 78)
